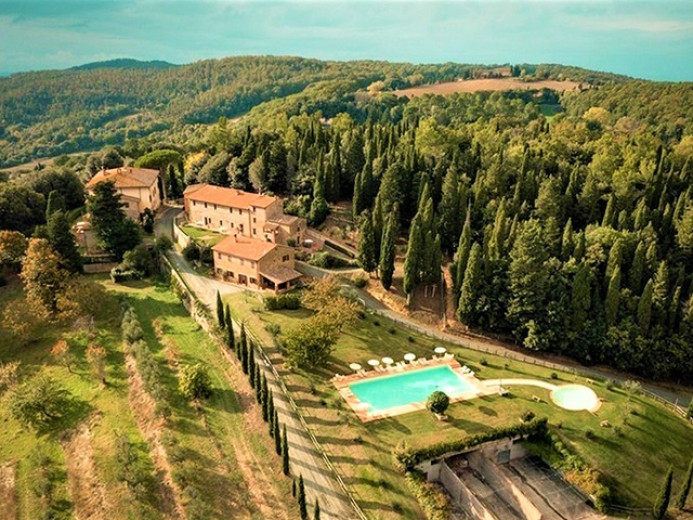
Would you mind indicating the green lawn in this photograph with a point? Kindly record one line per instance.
(203, 237)
(201, 442)
(633, 463)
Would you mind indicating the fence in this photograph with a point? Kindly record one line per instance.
(193, 304)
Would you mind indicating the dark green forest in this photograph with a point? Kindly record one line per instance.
(566, 220)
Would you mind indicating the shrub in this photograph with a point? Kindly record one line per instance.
(590, 434)
(483, 362)
(163, 244)
(119, 275)
(327, 261)
(39, 402)
(438, 402)
(411, 339)
(527, 416)
(139, 260)
(290, 301)
(434, 502)
(610, 384)
(206, 255)
(392, 330)
(195, 382)
(274, 329)
(554, 375)
(376, 323)
(291, 242)
(9, 375)
(360, 281)
(132, 331)
(191, 252)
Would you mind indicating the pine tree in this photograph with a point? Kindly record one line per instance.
(61, 238)
(366, 245)
(467, 308)
(231, 339)
(220, 311)
(659, 510)
(285, 458)
(387, 251)
(645, 308)
(316, 510)
(612, 297)
(682, 497)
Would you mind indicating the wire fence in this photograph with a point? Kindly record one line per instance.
(194, 309)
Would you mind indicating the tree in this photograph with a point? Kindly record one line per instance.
(40, 402)
(318, 208)
(285, 453)
(173, 184)
(684, 230)
(243, 349)
(231, 340)
(264, 398)
(438, 402)
(96, 356)
(61, 353)
(220, 311)
(659, 510)
(612, 296)
(303, 511)
(117, 232)
(311, 343)
(387, 251)
(682, 497)
(195, 382)
(316, 510)
(637, 269)
(13, 247)
(276, 433)
(140, 260)
(366, 245)
(645, 307)
(45, 281)
(55, 202)
(463, 250)
(580, 297)
(412, 261)
(469, 295)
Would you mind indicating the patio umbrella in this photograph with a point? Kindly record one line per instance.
(355, 367)
(409, 356)
(388, 360)
(440, 350)
(373, 362)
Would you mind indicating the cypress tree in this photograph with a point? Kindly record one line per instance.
(580, 247)
(285, 460)
(366, 245)
(276, 434)
(467, 308)
(63, 241)
(567, 242)
(55, 202)
(358, 202)
(174, 190)
(270, 412)
(412, 261)
(220, 311)
(450, 209)
(243, 349)
(659, 510)
(316, 511)
(609, 212)
(231, 339)
(615, 258)
(463, 249)
(580, 297)
(645, 308)
(258, 384)
(612, 297)
(264, 397)
(318, 208)
(302, 499)
(293, 487)
(685, 487)
(387, 252)
(636, 269)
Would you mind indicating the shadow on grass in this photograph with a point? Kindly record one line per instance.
(74, 411)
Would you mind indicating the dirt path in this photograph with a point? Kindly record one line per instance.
(8, 495)
(87, 491)
(151, 426)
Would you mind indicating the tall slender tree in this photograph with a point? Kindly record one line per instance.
(387, 251)
(231, 339)
(659, 510)
(285, 456)
(613, 294)
(61, 238)
(685, 490)
(366, 244)
(469, 295)
(220, 311)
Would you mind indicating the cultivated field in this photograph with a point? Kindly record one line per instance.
(477, 85)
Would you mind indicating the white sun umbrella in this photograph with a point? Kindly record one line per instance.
(440, 350)
(410, 357)
(373, 362)
(355, 367)
(388, 360)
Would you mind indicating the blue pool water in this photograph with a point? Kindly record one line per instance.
(410, 387)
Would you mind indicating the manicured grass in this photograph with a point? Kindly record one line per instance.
(633, 457)
(203, 236)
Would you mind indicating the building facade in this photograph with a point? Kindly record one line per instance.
(138, 188)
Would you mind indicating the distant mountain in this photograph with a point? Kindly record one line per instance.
(125, 63)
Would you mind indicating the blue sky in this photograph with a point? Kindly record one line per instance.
(651, 39)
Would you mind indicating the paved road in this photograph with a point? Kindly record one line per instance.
(319, 481)
(479, 343)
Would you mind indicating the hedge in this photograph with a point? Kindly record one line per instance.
(289, 301)
(407, 459)
(432, 500)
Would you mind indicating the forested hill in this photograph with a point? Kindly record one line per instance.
(125, 63)
(54, 112)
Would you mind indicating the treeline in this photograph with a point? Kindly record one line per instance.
(54, 112)
(575, 236)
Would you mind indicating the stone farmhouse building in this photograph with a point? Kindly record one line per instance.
(138, 187)
(258, 251)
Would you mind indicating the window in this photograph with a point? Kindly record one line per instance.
(194, 203)
(126, 204)
(254, 220)
(231, 210)
(285, 258)
(254, 231)
(205, 205)
(150, 198)
(219, 256)
(230, 224)
(240, 211)
(252, 264)
(231, 274)
(215, 206)
(221, 223)
(253, 281)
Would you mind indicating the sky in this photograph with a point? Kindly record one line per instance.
(646, 39)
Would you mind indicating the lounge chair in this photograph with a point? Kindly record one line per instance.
(361, 372)
(423, 361)
(434, 357)
(414, 362)
(400, 365)
(448, 356)
(379, 368)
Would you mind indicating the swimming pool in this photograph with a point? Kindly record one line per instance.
(382, 393)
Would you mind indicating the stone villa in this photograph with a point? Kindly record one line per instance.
(138, 187)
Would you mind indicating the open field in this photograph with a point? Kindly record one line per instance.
(630, 453)
(491, 84)
(203, 237)
(208, 459)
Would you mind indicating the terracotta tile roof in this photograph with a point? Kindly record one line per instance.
(285, 219)
(125, 177)
(244, 247)
(228, 197)
(280, 274)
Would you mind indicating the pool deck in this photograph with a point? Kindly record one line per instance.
(362, 409)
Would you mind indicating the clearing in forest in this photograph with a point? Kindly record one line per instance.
(491, 84)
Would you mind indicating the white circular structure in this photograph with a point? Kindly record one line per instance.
(373, 362)
(355, 366)
(410, 356)
(388, 360)
(575, 398)
(440, 350)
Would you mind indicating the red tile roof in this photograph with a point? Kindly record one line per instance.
(125, 177)
(244, 247)
(227, 197)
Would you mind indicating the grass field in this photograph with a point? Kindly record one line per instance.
(633, 461)
(491, 84)
(219, 458)
(203, 237)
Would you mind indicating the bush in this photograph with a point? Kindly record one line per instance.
(610, 384)
(554, 375)
(191, 252)
(392, 330)
(139, 260)
(163, 244)
(483, 362)
(590, 434)
(527, 416)
(291, 242)
(273, 329)
(206, 255)
(39, 402)
(119, 276)
(360, 281)
(434, 502)
(289, 301)
(438, 402)
(411, 339)
(195, 382)
(327, 261)
(132, 331)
